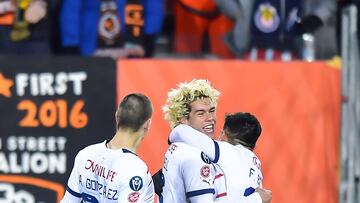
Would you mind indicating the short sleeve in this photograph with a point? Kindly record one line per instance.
(137, 187)
(72, 188)
(198, 176)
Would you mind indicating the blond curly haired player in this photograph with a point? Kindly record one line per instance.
(194, 104)
(188, 173)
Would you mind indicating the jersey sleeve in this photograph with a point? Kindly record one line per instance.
(208, 198)
(137, 187)
(197, 139)
(73, 193)
(254, 181)
(253, 198)
(197, 176)
(70, 198)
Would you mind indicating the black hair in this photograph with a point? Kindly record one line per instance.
(242, 128)
(134, 110)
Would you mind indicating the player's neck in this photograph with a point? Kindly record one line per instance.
(125, 139)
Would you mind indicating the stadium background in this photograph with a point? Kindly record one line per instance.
(298, 104)
(52, 106)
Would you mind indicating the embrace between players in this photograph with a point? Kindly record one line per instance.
(196, 169)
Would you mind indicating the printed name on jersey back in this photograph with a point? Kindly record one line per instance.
(100, 170)
(256, 174)
(259, 180)
(102, 189)
(256, 162)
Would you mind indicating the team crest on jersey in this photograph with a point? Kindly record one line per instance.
(133, 197)
(205, 158)
(136, 183)
(205, 171)
(267, 18)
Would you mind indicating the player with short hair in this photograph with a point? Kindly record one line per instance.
(241, 166)
(110, 171)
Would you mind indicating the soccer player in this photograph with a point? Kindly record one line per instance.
(241, 166)
(188, 173)
(110, 171)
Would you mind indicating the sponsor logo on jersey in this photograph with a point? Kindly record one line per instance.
(205, 158)
(136, 183)
(205, 171)
(133, 197)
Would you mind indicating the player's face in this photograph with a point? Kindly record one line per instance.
(203, 116)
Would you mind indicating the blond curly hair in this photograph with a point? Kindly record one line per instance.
(178, 101)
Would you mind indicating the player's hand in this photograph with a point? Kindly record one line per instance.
(266, 195)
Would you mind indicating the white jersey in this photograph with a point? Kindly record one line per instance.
(241, 166)
(188, 173)
(105, 175)
(242, 171)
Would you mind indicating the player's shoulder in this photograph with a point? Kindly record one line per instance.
(188, 154)
(181, 149)
(225, 148)
(223, 144)
(135, 168)
(134, 161)
(249, 155)
(91, 149)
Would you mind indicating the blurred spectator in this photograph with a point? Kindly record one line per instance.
(113, 28)
(195, 22)
(238, 39)
(25, 26)
(319, 18)
(273, 27)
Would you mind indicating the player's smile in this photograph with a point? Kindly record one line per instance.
(209, 129)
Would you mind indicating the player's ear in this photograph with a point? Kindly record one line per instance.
(147, 124)
(223, 136)
(184, 120)
(117, 118)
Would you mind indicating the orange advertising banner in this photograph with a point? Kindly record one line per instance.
(297, 103)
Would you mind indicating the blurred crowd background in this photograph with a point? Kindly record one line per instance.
(225, 29)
